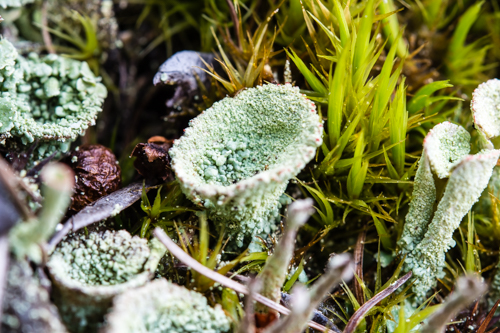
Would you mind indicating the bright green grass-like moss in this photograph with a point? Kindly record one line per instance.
(161, 306)
(51, 99)
(238, 156)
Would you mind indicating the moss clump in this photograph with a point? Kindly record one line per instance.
(161, 306)
(52, 99)
(101, 258)
(238, 156)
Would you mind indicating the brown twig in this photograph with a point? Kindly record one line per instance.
(177, 252)
(486, 321)
(234, 18)
(45, 32)
(358, 264)
(359, 315)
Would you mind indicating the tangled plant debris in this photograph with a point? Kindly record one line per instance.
(312, 166)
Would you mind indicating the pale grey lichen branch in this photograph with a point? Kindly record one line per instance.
(275, 270)
(238, 156)
(444, 145)
(304, 302)
(161, 306)
(426, 258)
(467, 289)
(26, 238)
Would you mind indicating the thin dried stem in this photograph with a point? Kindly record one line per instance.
(363, 310)
(358, 264)
(177, 252)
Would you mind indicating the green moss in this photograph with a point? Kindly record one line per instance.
(161, 306)
(237, 157)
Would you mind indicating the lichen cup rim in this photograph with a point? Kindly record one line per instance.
(480, 105)
(157, 250)
(52, 130)
(276, 174)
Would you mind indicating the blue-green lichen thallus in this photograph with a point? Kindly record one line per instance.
(237, 157)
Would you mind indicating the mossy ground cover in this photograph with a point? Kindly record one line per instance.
(367, 108)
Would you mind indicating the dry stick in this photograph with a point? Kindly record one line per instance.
(45, 32)
(248, 322)
(234, 18)
(484, 325)
(358, 315)
(177, 252)
(358, 262)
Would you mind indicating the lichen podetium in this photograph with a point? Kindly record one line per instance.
(50, 98)
(237, 157)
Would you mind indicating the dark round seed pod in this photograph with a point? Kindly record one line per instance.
(153, 161)
(97, 174)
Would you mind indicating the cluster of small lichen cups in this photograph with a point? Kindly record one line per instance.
(237, 157)
(89, 271)
(428, 231)
(161, 306)
(51, 99)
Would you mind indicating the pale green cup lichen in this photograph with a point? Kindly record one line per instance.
(237, 157)
(446, 173)
(161, 306)
(88, 271)
(51, 99)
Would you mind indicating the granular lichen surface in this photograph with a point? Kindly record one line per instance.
(161, 306)
(238, 156)
(107, 258)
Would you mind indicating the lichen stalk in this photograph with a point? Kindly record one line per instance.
(467, 289)
(275, 270)
(467, 181)
(237, 157)
(340, 268)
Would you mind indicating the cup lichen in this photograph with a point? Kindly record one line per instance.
(51, 99)
(425, 241)
(238, 156)
(88, 271)
(161, 306)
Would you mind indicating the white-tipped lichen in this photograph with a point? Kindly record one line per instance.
(238, 156)
(89, 271)
(51, 99)
(485, 108)
(161, 306)
(445, 144)
(468, 179)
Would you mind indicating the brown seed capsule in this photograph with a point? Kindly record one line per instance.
(97, 174)
(153, 161)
